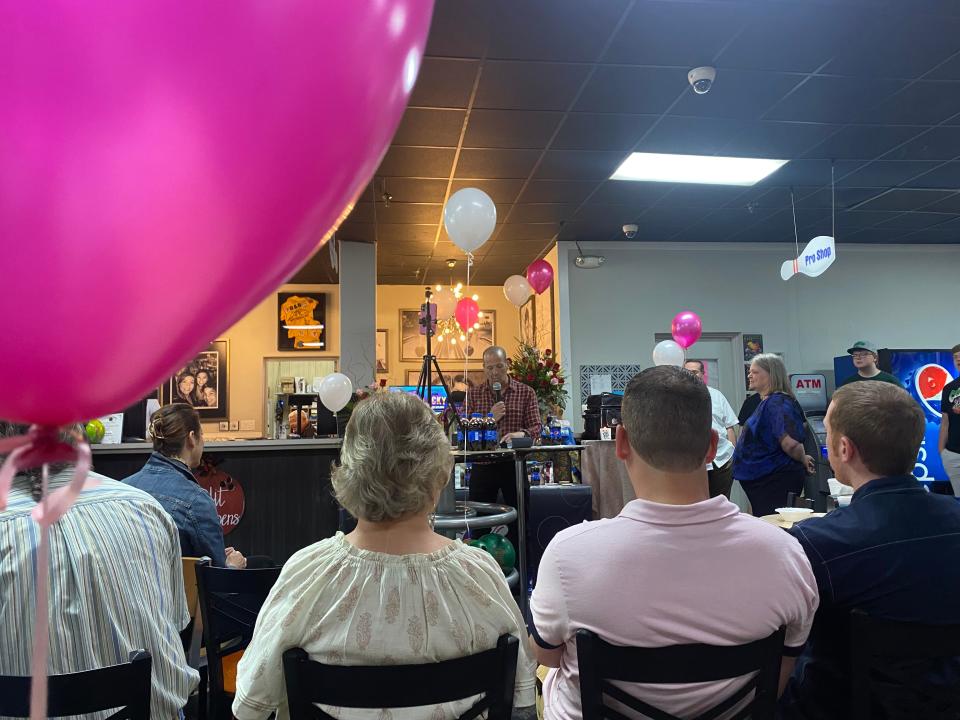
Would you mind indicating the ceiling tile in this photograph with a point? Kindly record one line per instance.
(671, 33)
(949, 204)
(902, 199)
(529, 85)
(362, 213)
(691, 135)
(444, 83)
(884, 173)
(528, 231)
(500, 191)
(568, 30)
(388, 253)
(701, 196)
(808, 172)
(361, 232)
(411, 189)
(504, 248)
(605, 213)
(608, 229)
(541, 212)
(845, 197)
(923, 103)
(933, 236)
(863, 142)
(917, 220)
(510, 128)
(598, 131)
(460, 29)
(776, 139)
(436, 128)
(635, 194)
(409, 213)
(416, 162)
(579, 164)
(637, 90)
(556, 191)
(495, 163)
(407, 233)
(945, 175)
(939, 143)
(745, 94)
(834, 99)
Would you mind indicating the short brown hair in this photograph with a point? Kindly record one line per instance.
(883, 421)
(955, 349)
(170, 426)
(666, 413)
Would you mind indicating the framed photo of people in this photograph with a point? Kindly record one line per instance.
(413, 344)
(382, 345)
(203, 383)
(300, 321)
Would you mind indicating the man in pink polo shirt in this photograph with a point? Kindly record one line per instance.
(676, 566)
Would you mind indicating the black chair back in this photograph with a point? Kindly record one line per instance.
(490, 673)
(894, 667)
(601, 663)
(126, 687)
(230, 601)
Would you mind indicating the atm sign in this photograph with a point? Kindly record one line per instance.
(809, 384)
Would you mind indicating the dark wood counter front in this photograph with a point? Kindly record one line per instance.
(288, 500)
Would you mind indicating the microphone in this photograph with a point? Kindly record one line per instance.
(496, 392)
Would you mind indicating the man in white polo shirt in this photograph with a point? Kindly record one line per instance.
(675, 567)
(720, 471)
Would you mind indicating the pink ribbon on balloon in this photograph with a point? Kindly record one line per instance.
(42, 446)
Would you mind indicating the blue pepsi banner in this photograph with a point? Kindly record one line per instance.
(924, 373)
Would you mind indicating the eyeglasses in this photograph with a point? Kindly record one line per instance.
(862, 355)
(498, 366)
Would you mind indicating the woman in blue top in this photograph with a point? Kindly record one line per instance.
(178, 447)
(769, 460)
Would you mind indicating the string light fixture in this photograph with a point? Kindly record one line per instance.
(449, 330)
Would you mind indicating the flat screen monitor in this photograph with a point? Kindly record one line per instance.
(438, 396)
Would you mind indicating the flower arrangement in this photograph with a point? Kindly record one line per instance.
(540, 370)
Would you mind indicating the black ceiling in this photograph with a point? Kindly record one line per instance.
(538, 101)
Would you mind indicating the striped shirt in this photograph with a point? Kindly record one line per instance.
(116, 585)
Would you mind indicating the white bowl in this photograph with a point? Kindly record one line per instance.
(794, 514)
(844, 500)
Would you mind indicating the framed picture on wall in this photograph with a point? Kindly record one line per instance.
(752, 346)
(528, 321)
(543, 321)
(204, 383)
(413, 345)
(300, 321)
(382, 346)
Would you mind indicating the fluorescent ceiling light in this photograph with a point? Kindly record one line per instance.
(708, 169)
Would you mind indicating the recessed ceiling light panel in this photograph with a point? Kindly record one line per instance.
(704, 169)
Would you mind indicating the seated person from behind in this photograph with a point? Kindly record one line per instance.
(889, 553)
(675, 567)
(306, 429)
(391, 592)
(177, 448)
(116, 583)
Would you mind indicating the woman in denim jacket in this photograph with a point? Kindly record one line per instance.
(178, 447)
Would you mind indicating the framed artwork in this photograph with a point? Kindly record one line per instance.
(300, 321)
(543, 320)
(413, 345)
(451, 375)
(382, 346)
(528, 321)
(752, 346)
(203, 383)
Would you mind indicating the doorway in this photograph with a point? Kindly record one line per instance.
(721, 362)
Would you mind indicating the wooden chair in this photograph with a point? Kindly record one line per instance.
(125, 686)
(891, 664)
(601, 663)
(229, 603)
(490, 673)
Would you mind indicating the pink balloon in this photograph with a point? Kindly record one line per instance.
(539, 275)
(686, 328)
(166, 166)
(467, 313)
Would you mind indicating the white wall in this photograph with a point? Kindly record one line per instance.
(896, 296)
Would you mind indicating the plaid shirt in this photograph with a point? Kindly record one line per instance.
(522, 412)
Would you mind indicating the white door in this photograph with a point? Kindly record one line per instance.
(723, 371)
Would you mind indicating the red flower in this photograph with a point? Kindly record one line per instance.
(556, 366)
(547, 352)
(561, 380)
(530, 378)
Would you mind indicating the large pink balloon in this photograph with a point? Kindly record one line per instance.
(539, 275)
(686, 328)
(164, 166)
(467, 313)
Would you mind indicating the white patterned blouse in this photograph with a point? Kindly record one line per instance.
(347, 606)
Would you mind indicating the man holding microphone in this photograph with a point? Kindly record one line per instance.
(514, 407)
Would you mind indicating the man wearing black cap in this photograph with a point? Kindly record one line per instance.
(865, 358)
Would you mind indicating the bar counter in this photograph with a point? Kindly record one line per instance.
(288, 502)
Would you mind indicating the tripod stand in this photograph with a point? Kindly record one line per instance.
(425, 383)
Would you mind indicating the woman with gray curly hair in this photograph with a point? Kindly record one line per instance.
(392, 592)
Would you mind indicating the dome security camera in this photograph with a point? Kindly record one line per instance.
(631, 231)
(702, 78)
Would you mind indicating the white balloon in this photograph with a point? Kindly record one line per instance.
(517, 290)
(446, 303)
(668, 353)
(335, 392)
(469, 217)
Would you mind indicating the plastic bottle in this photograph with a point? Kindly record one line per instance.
(555, 431)
(474, 432)
(490, 433)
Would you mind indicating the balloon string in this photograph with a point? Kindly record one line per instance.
(796, 235)
(466, 375)
(42, 446)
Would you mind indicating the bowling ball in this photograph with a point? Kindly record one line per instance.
(501, 549)
(95, 431)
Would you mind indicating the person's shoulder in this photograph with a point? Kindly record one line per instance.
(574, 541)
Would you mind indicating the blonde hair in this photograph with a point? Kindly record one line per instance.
(394, 461)
(774, 367)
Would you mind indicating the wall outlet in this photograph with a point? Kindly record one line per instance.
(234, 424)
(247, 426)
(224, 426)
